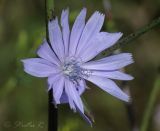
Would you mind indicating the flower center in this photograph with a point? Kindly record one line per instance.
(71, 68)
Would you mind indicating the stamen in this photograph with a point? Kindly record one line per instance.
(72, 68)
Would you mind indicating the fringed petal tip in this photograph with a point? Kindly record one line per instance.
(123, 97)
(65, 12)
(130, 77)
(100, 14)
(90, 121)
(120, 34)
(129, 100)
(129, 57)
(52, 22)
(126, 99)
(23, 60)
(131, 60)
(85, 9)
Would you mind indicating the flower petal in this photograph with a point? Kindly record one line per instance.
(57, 86)
(76, 32)
(92, 27)
(73, 94)
(64, 98)
(72, 104)
(81, 87)
(47, 53)
(65, 29)
(112, 75)
(108, 86)
(55, 37)
(39, 67)
(100, 42)
(113, 62)
(84, 117)
(52, 79)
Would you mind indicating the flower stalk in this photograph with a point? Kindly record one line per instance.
(52, 110)
(132, 37)
(49, 9)
(150, 106)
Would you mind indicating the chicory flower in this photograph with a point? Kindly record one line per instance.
(66, 63)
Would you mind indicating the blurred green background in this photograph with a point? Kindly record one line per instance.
(23, 98)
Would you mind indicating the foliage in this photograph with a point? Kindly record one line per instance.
(23, 99)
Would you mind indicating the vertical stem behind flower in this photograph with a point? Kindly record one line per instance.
(52, 111)
(149, 108)
(49, 9)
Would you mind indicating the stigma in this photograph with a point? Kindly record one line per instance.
(72, 69)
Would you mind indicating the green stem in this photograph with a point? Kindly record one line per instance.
(132, 36)
(49, 4)
(149, 109)
(52, 110)
(49, 9)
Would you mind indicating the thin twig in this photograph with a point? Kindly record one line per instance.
(149, 108)
(132, 37)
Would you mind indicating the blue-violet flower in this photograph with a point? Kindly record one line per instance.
(67, 63)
